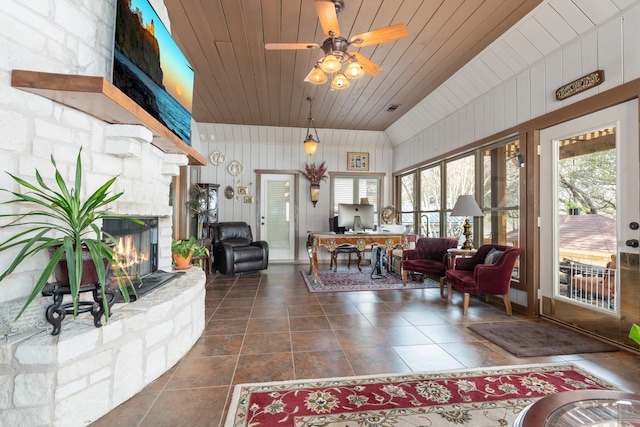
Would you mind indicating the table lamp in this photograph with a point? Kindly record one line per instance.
(466, 206)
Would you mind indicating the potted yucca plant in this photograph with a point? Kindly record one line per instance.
(60, 222)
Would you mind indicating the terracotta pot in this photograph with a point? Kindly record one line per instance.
(182, 262)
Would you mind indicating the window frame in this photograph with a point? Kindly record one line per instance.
(333, 206)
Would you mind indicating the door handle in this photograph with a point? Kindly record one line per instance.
(632, 243)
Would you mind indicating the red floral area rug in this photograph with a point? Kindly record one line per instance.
(476, 397)
(350, 279)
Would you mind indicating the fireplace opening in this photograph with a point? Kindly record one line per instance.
(136, 255)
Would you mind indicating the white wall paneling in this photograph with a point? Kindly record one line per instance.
(282, 149)
(543, 37)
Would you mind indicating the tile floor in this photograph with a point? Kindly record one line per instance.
(267, 327)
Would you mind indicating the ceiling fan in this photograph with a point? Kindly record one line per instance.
(335, 47)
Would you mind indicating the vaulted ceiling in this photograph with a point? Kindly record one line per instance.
(237, 81)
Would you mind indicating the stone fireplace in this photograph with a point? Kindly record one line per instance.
(74, 378)
(136, 245)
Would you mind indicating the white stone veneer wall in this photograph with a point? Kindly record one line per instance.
(79, 375)
(72, 37)
(76, 377)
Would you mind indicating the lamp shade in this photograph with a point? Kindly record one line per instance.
(330, 64)
(310, 145)
(316, 76)
(466, 205)
(354, 71)
(339, 82)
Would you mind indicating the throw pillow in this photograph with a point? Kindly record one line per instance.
(492, 256)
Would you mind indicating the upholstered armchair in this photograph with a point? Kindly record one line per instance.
(234, 250)
(487, 272)
(429, 257)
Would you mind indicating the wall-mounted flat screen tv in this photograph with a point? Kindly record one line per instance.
(150, 68)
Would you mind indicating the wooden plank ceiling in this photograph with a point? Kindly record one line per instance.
(237, 81)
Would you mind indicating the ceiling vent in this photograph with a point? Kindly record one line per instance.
(393, 107)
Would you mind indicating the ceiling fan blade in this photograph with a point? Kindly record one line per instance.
(394, 32)
(290, 46)
(369, 67)
(326, 11)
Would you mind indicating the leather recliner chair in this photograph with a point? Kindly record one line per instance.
(234, 250)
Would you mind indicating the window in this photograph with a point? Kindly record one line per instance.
(501, 194)
(355, 188)
(460, 180)
(430, 201)
(501, 167)
(427, 195)
(408, 200)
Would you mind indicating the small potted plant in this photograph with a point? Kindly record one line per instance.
(60, 222)
(183, 250)
(573, 208)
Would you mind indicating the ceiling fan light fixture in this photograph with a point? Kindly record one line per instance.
(340, 82)
(330, 64)
(354, 71)
(316, 76)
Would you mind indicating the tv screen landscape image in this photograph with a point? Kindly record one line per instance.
(150, 68)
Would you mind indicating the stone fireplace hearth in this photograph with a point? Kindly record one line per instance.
(76, 377)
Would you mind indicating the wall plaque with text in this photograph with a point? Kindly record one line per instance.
(583, 83)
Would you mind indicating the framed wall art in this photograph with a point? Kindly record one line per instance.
(243, 190)
(357, 161)
(248, 199)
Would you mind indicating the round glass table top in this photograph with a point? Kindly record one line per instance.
(597, 413)
(586, 408)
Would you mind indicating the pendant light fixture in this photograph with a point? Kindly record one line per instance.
(310, 144)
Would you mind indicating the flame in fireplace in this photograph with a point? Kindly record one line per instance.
(127, 257)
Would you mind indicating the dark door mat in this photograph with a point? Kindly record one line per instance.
(538, 338)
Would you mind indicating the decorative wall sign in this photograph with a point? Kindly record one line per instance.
(357, 161)
(248, 199)
(583, 83)
(243, 190)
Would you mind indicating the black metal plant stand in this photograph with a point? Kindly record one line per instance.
(57, 311)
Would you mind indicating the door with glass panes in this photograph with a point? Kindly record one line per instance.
(590, 211)
(277, 221)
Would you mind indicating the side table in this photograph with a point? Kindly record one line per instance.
(454, 253)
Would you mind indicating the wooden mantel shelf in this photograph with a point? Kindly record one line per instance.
(98, 97)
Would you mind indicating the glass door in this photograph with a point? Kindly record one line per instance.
(277, 216)
(590, 209)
